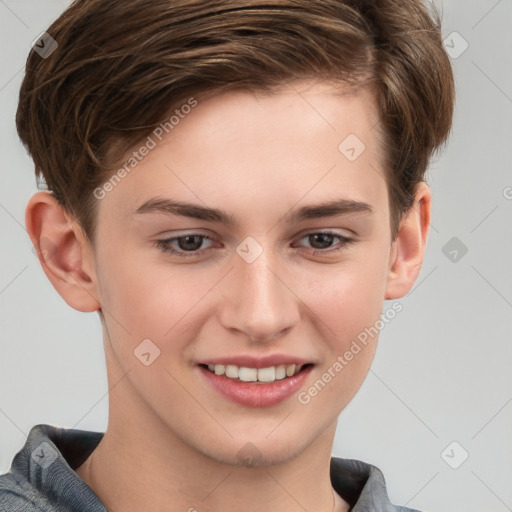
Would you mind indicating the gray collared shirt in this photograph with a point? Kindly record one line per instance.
(42, 476)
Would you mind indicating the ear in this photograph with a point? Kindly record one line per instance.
(63, 251)
(409, 247)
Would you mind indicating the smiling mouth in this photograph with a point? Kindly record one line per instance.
(256, 375)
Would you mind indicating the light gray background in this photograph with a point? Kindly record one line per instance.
(442, 372)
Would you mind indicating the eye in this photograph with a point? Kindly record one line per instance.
(325, 238)
(188, 244)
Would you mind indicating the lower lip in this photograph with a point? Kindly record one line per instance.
(253, 394)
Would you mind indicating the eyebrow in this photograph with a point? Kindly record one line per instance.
(326, 209)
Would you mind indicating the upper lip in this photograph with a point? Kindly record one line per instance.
(250, 361)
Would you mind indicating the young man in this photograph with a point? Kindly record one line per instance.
(236, 187)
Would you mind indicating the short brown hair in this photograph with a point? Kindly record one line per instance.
(121, 66)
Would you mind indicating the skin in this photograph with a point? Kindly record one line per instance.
(165, 422)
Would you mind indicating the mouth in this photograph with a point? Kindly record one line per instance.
(255, 387)
(256, 375)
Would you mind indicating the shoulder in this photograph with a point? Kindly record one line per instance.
(41, 477)
(18, 495)
(363, 486)
(17, 492)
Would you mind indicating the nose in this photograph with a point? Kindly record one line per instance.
(258, 299)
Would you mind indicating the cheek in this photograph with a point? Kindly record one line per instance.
(349, 312)
(147, 298)
(348, 305)
(350, 297)
(143, 299)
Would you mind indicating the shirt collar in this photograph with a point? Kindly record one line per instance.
(46, 465)
(50, 455)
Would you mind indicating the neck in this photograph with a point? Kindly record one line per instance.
(140, 472)
(131, 470)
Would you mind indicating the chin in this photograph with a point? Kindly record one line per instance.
(256, 453)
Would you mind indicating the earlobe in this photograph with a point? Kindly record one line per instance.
(408, 250)
(62, 251)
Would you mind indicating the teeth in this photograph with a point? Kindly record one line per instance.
(267, 374)
(232, 371)
(290, 370)
(270, 374)
(280, 372)
(248, 374)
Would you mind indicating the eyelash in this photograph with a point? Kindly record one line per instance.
(164, 245)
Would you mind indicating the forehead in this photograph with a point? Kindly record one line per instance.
(243, 148)
(320, 106)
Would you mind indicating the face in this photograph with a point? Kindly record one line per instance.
(284, 283)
